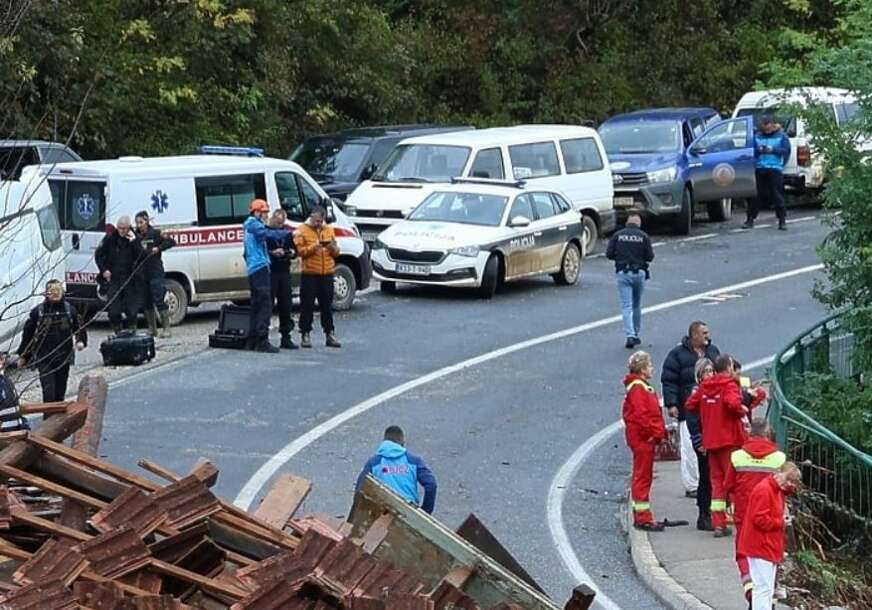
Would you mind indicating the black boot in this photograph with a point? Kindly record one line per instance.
(704, 522)
(749, 223)
(782, 224)
(287, 342)
(331, 341)
(267, 348)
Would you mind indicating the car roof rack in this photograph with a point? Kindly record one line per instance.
(238, 151)
(518, 184)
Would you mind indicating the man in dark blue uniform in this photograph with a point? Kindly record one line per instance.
(632, 252)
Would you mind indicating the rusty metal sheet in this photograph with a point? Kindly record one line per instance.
(98, 595)
(276, 595)
(50, 595)
(116, 553)
(286, 566)
(173, 548)
(205, 559)
(145, 580)
(321, 525)
(133, 508)
(56, 559)
(345, 568)
(187, 501)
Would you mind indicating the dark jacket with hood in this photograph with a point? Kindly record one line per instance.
(678, 376)
(401, 471)
(119, 255)
(50, 333)
(152, 264)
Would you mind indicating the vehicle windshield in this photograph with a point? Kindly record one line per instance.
(332, 160)
(463, 208)
(423, 163)
(641, 137)
(787, 121)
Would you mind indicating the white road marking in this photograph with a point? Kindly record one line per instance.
(763, 226)
(263, 474)
(699, 237)
(790, 221)
(557, 493)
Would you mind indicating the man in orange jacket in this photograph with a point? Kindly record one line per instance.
(720, 407)
(644, 431)
(316, 246)
(762, 539)
(758, 459)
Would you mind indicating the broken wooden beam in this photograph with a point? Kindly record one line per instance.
(22, 453)
(283, 499)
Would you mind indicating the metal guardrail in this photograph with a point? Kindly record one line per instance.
(835, 473)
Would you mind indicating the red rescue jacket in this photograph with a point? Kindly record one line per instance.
(762, 535)
(719, 403)
(641, 412)
(758, 459)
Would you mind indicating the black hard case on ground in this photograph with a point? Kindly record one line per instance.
(127, 348)
(233, 324)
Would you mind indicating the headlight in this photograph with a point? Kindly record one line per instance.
(663, 175)
(349, 210)
(378, 244)
(470, 251)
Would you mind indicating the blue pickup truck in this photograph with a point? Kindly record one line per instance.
(669, 161)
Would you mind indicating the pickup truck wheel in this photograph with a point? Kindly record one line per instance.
(721, 210)
(570, 267)
(177, 300)
(684, 220)
(590, 234)
(344, 288)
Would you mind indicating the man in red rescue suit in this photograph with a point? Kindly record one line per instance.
(644, 431)
(720, 407)
(758, 459)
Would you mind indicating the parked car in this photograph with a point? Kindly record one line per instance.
(202, 201)
(15, 155)
(649, 152)
(563, 158)
(804, 172)
(342, 160)
(480, 234)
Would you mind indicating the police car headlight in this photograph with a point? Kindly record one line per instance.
(470, 251)
(378, 244)
(663, 175)
(349, 210)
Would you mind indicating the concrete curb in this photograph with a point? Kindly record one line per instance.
(667, 589)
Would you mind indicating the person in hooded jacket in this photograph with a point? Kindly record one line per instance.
(401, 471)
(154, 243)
(771, 153)
(644, 430)
(720, 407)
(704, 369)
(758, 459)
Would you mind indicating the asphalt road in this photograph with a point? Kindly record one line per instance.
(495, 432)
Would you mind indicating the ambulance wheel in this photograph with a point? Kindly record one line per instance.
(490, 279)
(388, 287)
(344, 288)
(177, 300)
(570, 267)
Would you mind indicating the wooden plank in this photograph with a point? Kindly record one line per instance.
(48, 408)
(158, 470)
(228, 537)
(205, 471)
(10, 550)
(22, 515)
(283, 499)
(208, 584)
(275, 537)
(458, 576)
(23, 453)
(46, 485)
(582, 598)
(66, 472)
(377, 532)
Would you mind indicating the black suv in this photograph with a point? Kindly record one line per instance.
(18, 154)
(342, 160)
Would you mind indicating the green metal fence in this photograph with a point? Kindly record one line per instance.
(835, 473)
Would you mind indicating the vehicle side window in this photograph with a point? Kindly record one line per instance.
(712, 120)
(380, 151)
(522, 206)
(49, 227)
(543, 205)
(13, 160)
(80, 206)
(534, 160)
(289, 196)
(697, 125)
(310, 195)
(726, 136)
(52, 154)
(581, 155)
(225, 199)
(561, 203)
(488, 164)
(846, 111)
(687, 134)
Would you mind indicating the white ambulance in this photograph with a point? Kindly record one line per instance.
(201, 201)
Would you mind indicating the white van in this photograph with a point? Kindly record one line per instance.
(804, 173)
(202, 201)
(30, 250)
(563, 158)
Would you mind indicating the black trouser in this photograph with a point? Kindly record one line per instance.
(280, 282)
(53, 379)
(261, 307)
(704, 487)
(320, 287)
(770, 191)
(123, 297)
(155, 293)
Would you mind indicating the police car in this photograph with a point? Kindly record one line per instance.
(479, 234)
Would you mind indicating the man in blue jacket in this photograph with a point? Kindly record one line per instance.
(771, 152)
(257, 266)
(398, 469)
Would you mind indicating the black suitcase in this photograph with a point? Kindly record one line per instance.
(127, 348)
(232, 332)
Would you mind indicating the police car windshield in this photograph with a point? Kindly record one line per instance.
(332, 159)
(463, 208)
(423, 163)
(641, 137)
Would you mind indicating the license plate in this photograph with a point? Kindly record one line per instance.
(369, 235)
(624, 202)
(413, 269)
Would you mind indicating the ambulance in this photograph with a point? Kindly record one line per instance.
(201, 201)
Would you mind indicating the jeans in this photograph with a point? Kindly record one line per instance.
(770, 190)
(630, 287)
(320, 287)
(261, 307)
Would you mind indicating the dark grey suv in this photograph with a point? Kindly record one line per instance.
(18, 154)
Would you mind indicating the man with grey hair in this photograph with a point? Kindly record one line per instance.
(632, 252)
(118, 260)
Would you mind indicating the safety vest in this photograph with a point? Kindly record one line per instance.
(745, 462)
(640, 382)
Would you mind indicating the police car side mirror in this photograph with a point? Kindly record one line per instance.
(519, 222)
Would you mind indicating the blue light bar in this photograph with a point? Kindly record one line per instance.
(239, 151)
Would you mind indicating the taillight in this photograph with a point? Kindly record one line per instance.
(341, 232)
(803, 155)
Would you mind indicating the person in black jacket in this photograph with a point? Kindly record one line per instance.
(118, 257)
(632, 252)
(10, 407)
(52, 335)
(678, 379)
(154, 244)
(281, 253)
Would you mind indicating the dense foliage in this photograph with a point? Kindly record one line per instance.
(161, 76)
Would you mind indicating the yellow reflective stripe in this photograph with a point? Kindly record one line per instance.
(748, 585)
(718, 506)
(636, 382)
(641, 506)
(742, 460)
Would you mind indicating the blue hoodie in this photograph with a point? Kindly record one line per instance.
(780, 145)
(398, 469)
(254, 243)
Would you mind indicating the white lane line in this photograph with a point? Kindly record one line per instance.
(699, 237)
(763, 226)
(263, 474)
(557, 493)
(790, 221)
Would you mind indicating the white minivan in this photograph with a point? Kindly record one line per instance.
(201, 201)
(30, 250)
(564, 158)
(804, 173)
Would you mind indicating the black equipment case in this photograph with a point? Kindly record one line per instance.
(232, 332)
(127, 347)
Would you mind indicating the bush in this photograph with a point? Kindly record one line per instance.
(842, 405)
